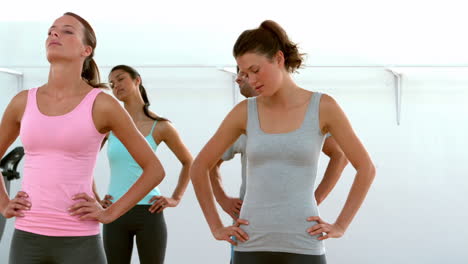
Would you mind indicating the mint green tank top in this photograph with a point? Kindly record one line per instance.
(125, 171)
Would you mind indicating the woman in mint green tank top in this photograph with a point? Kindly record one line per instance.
(285, 127)
(145, 221)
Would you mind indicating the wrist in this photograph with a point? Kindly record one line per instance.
(340, 226)
(176, 198)
(215, 228)
(108, 215)
(3, 205)
(221, 198)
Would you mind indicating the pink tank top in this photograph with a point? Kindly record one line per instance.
(60, 157)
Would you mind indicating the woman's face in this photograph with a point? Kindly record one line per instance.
(65, 40)
(122, 84)
(264, 75)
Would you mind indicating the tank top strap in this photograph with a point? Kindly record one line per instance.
(31, 104)
(253, 123)
(314, 110)
(88, 101)
(150, 137)
(152, 128)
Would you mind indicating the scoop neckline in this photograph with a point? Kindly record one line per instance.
(66, 114)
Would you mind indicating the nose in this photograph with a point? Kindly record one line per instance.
(54, 33)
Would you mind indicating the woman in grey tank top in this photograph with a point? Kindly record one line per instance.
(285, 127)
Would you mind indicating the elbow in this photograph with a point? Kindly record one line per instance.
(198, 172)
(159, 173)
(368, 171)
(187, 163)
(342, 159)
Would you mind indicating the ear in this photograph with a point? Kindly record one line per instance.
(87, 51)
(138, 81)
(279, 58)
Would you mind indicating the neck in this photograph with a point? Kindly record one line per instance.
(65, 78)
(287, 94)
(134, 107)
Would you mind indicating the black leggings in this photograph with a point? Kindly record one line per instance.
(151, 237)
(263, 257)
(30, 248)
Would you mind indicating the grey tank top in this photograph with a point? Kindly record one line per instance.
(281, 172)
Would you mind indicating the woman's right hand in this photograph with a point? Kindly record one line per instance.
(107, 201)
(15, 206)
(225, 233)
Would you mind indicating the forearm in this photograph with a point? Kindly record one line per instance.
(204, 193)
(217, 184)
(184, 179)
(358, 192)
(4, 198)
(332, 174)
(150, 178)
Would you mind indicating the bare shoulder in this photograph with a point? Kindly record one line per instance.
(20, 99)
(105, 102)
(240, 109)
(17, 105)
(163, 128)
(327, 102)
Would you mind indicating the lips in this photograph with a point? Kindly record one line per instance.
(54, 43)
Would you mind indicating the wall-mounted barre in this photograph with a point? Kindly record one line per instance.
(230, 69)
(19, 77)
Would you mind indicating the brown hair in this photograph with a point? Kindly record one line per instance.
(268, 39)
(90, 72)
(134, 74)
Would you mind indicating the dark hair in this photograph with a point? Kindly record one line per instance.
(90, 72)
(268, 39)
(134, 74)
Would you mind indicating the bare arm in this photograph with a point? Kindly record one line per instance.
(334, 120)
(9, 131)
(217, 182)
(108, 115)
(334, 169)
(230, 205)
(172, 139)
(231, 128)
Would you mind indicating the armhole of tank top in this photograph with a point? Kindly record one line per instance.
(316, 101)
(93, 98)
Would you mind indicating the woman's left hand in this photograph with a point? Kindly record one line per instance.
(89, 209)
(161, 203)
(324, 229)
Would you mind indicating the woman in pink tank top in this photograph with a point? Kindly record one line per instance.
(61, 125)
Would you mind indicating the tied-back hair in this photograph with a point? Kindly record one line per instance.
(268, 39)
(134, 75)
